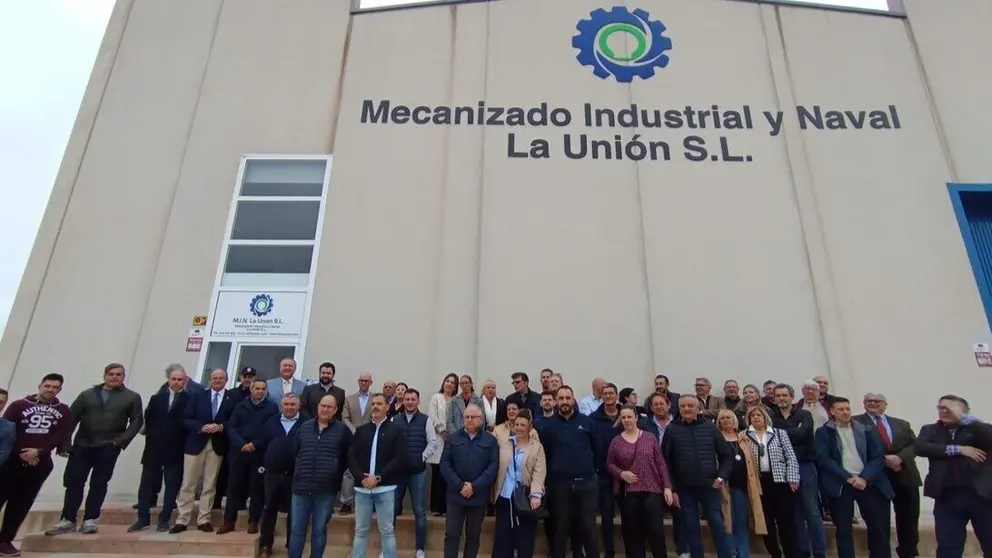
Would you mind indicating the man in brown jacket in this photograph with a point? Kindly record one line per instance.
(709, 405)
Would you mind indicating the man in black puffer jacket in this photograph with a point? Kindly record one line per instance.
(245, 431)
(700, 462)
(280, 434)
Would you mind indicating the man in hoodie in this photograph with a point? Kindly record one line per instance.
(109, 416)
(246, 432)
(41, 422)
(606, 426)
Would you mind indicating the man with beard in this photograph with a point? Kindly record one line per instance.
(41, 422)
(312, 394)
(568, 439)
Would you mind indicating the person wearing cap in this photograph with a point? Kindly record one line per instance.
(242, 391)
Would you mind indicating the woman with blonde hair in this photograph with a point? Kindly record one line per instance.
(741, 494)
(493, 407)
(521, 463)
(778, 471)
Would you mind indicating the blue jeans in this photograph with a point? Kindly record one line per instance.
(811, 535)
(315, 510)
(690, 498)
(740, 539)
(383, 503)
(416, 483)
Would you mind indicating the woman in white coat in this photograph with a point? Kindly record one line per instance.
(437, 412)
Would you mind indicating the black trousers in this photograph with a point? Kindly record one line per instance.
(97, 465)
(20, 484)
(607, 511)
(907, 507)
(277, 498)
(221, 484)
(245, 483)
(515, 534)
(573, 505)
(875, 510)
(468, 518)
(642, 525)
(439, 490)
(780, 517)
(549, 533)
(152, 475)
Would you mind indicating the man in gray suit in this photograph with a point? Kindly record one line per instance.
(285, 383)
(357, 411)
(900, 466)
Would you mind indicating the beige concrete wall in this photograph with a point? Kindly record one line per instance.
(830, 252)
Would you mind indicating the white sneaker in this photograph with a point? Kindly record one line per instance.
(685, 555)
(89, 527)
(420, 554)
(63, 526)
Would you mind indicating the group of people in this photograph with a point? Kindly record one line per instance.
(751, 462)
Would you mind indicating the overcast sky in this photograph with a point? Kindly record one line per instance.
(47, 48)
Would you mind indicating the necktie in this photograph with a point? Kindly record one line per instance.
(172, 399)
(216, 404)
(883, 432)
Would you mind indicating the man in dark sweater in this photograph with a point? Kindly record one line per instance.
(245, 430)
(569, 443)
(700, 462)
(279, 433)
(960, 477)
(421, 443)
(468, 465)
(41, 422)
(109, 416)
(377, 461)
(606, 426)
(523, 396)
(313, 393)
(321, 451)
(798, 423)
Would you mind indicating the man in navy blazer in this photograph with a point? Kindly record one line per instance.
(165, 435)
(206, 444)
(851, 461)
(285, 383)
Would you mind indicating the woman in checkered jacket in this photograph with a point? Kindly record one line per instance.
(779, 472)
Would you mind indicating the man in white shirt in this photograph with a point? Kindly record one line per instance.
(590, 403)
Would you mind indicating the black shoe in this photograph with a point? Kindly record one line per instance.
(162, 528)
(206, 527)
(177, 528)
(137, 526)
(345, 509)
(134, 507)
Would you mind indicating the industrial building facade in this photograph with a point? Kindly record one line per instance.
(716, 188)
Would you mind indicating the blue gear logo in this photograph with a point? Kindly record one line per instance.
(595, 49)
(261, 305)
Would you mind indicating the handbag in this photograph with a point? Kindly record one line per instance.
(520, 499)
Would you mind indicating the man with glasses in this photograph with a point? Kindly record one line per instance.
(468, 464)
(523, 396)
(357, 411)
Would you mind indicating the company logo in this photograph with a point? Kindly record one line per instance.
(601, 37)
(261, 305)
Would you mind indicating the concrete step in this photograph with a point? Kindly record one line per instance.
(115, 540)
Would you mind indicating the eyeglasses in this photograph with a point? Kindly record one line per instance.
(515, 382)
(473, 417)
(874, 401)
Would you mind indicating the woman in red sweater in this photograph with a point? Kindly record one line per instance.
(642, 486)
